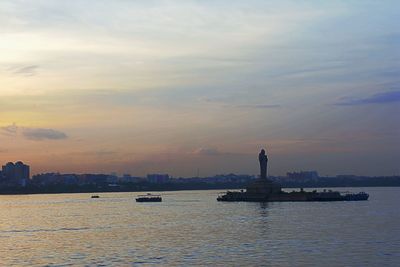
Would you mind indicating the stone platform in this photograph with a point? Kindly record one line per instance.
(263, 187)
(264, 190)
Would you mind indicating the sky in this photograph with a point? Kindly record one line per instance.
(199, 87)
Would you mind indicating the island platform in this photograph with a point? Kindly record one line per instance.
(263, 190)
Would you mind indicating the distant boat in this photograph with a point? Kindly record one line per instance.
(95, 196)
(149, 198)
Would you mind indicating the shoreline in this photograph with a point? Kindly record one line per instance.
(121, 190)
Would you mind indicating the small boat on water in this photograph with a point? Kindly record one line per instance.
(95, 196)
(149, 198)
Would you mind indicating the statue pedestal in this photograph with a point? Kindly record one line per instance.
(263, 187)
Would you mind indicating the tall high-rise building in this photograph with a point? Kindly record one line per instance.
(18, 172)
(8, 171)
(21, 171)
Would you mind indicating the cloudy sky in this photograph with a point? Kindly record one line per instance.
(187, 86)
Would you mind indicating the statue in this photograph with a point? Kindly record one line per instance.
(262, 157)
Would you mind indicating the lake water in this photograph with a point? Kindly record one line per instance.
(192, 228)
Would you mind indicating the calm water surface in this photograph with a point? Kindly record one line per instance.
(192, 228)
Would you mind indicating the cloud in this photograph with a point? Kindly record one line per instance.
(37, 134)
(207, 151)
(379, 98)
(9, 130)
(27, 70)
(212, 99)
(259, 106)
(41, 134)
(225, 102)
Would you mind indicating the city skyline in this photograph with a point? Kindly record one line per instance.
(22, 171)
(177, 87)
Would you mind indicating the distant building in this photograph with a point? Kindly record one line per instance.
(45, 179)
(303, 175)
(17, 173)
(21, 171)
(94, 179)
(8, 171)
(112, 179)
(158, 178)
(218, 179)
(127, 178)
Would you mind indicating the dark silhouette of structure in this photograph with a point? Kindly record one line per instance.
(263, 159)
(265, 190)
(17, 173)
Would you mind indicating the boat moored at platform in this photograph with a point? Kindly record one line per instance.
(149, 198)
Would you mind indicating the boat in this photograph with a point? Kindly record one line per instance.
(95, 196)
(149, 198)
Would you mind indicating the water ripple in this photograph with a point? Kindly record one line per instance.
(192, 228)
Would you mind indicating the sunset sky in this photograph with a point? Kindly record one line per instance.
(185, 86)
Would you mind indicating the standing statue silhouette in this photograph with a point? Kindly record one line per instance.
(262, 157)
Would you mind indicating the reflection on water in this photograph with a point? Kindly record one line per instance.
(192, 228)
